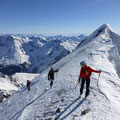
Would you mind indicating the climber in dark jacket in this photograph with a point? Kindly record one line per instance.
(51, 76)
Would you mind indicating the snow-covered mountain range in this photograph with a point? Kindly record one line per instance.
(33, 53)
(100, 51)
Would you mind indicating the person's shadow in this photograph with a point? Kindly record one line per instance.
(20, 111)
(78, 105)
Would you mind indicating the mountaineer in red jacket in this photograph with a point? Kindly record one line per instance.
(28, 84)
(85, 73)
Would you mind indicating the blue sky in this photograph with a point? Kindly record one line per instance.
(58, 16)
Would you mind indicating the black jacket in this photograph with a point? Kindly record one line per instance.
(51, 74)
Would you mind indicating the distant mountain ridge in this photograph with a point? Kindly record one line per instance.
(33, 53)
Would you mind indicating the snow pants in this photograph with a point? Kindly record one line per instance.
(87, 86)
(51, 83)
(28, 88)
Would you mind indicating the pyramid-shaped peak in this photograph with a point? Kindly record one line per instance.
(104, 29)
(106, 26)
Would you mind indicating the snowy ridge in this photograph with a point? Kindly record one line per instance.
(105, 30)
(42, 102)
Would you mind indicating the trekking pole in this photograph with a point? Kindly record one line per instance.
(76, 85)
(99, 75)
(98, 78)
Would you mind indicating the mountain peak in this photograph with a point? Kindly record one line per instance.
(106, 26)
(104, 29)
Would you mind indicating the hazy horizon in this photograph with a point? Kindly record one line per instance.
(55, 17)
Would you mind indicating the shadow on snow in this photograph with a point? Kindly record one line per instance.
(19, 112)
(78, 105)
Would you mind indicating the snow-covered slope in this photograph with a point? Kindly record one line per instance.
(33, 54)
(41, 103)
(10, 84)
(23, 77)
(7, 86)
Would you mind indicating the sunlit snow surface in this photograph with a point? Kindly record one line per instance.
(104, 100)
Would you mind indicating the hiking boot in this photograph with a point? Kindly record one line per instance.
(80, 95)
(86, 95)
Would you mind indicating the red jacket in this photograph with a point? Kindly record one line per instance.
(85, 72)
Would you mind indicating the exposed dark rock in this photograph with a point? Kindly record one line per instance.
(84, 112)
(12, 69)
(3, 95)
(58, 110)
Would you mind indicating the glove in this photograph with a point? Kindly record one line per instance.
(56, 70)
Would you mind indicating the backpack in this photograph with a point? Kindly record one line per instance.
(29, 82)
(87, 70)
